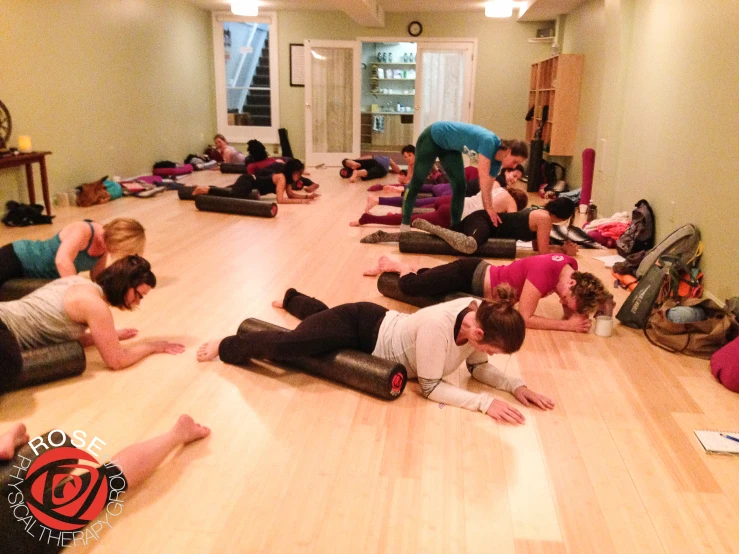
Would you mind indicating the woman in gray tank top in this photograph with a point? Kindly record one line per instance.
(74, 308)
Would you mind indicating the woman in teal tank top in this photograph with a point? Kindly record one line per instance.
(78, 247)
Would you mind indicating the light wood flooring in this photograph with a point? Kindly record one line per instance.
(296, 464)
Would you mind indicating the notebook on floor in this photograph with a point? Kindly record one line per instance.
(715, 442)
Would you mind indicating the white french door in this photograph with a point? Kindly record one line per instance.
(332, 101)
(444, 80)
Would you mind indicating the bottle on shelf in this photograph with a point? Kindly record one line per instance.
(390, 57)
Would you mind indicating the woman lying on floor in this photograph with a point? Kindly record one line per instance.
(128, 469)
(532, 224)
(80, 246)
(532, 279)
(504, 200)
(430, 343)
(281, 179)
(365, 168)
(507, 177)
(74, 308)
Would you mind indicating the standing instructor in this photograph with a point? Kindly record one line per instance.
(447, 140)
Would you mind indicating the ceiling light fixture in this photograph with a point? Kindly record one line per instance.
(249, 8)
(499, 8)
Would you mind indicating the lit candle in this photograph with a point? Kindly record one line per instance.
(24, 144)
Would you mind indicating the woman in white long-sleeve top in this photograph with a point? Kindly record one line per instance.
(430, 343)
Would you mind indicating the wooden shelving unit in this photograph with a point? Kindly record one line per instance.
(555, 82)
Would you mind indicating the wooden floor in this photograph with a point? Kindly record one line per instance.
(296, 464)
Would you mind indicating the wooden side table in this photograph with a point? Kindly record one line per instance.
(28, 160)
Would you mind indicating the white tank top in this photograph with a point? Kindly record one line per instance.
(474, 203)
(39, 319)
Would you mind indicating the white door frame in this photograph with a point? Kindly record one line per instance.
(469, 79)
(332, 158)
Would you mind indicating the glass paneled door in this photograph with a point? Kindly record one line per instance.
(443, 83)
(332, 98)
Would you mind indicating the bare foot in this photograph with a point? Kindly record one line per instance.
(11, 440)
(189, 431)
(392, 188)
(387, 264)
(372, 201)
(208, 351)
(353, 178)
(200, 190)
(354, 223)
(278, 304)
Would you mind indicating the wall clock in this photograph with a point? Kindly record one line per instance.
(415, 28)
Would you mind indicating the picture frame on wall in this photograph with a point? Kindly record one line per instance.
(297, 65)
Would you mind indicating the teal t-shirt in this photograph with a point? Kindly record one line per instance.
(468, 139)
(38, 257)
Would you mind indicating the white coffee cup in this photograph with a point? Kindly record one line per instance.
(603, 326)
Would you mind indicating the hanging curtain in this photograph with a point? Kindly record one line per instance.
(442, 87)
(332, 81)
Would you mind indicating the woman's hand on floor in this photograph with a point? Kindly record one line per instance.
(527, 397)
(503, 411)
(164, 347)
(570, 248)
(579, 323)
(125, 334)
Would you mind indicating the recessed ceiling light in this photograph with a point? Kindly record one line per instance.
(245, 7)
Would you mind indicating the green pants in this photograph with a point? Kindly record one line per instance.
(451, 160)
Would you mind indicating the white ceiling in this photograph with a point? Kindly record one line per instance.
(538, 10)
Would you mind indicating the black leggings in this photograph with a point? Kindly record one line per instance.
(11, 358)
(478, 226)
(322, 330)
(444, 279)
(374, 171)
(10, 265)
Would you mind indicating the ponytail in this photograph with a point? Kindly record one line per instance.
(501, 324)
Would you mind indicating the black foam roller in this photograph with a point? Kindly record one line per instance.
(233, 168)
(50, 363)
(364, 372)
(185, 193)
(236, 206)
(388, 284)
(423, 243)
(14, 289)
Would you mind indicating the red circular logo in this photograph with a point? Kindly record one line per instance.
(397, 383)
(62, 501)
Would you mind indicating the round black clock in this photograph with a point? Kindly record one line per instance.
(415, 28)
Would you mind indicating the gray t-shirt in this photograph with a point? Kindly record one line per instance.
(424, 343)
(39, 319)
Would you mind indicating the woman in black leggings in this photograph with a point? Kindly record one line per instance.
(281, 179)
(532, 224)
(430, 343)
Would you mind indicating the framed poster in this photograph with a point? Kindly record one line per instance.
(297, 65)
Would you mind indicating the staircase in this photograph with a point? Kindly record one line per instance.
(258, 105)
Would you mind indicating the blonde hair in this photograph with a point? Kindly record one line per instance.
(124, 237)
(589, 292)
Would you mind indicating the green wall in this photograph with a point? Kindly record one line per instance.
(109, 86)
(503, 62)
(669, 109)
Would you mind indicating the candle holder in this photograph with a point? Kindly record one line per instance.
(24, 144)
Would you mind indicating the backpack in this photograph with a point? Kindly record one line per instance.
(639, 235)
(684, 244)
(23, 215)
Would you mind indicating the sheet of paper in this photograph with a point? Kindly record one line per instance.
(713, 442)
(610, 260)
